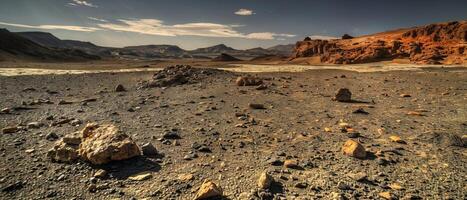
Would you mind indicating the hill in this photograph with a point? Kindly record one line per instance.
(16, 47)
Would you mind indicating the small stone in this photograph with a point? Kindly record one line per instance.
(101, 173)
(120, 88)
(327, 129)
(405, 95)
(52, 136)
(149, 149)
(29, 150)
(301, 185)
(343, 95)
(5, 111)
(256, 106)
(343, 186)
(140, 176)
(63, 102)
(171, 135)
(395, 186)
(395, 138)
(387, 195)
(360, 111)
(265, 180)
(291, 164)
(73, 139)
(75, 122)
(208, 190)
(353, 149)
(361, 176)
(414, 113)
(12, 129)
(185, 177)
(34, 125)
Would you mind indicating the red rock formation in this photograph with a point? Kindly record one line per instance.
(443, 43)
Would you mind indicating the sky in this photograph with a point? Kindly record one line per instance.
(241, 24)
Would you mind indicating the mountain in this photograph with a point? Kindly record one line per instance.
(217, 49)
(15, 47)
(225, 58)
(49, 40)
(284, 49)
(441, 43)
(154, 51)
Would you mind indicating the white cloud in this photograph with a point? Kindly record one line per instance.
(82, 3)
(97, 19)
(55, 27)
(321, 37)
(244, 12)
(157, 27)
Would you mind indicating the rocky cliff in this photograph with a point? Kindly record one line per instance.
(443, 43)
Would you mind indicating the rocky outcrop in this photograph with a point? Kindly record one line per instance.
(432, 44)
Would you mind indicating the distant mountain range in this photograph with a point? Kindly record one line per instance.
(49, 41)
(14, 47)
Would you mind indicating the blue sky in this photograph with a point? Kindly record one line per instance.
(238, 23)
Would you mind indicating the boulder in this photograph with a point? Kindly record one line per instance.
(120, 88)
(354, 149)
(104, 143)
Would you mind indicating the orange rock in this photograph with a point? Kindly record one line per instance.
(207, 190)
(354, 149)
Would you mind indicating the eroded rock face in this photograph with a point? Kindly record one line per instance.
(443, 43)
(104, 143)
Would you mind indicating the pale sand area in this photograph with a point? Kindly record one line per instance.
(249, 68)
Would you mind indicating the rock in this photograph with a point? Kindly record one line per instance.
(256, 106)
(327, 129)
(301, 185)
(262, 87)
(343, 95)
(343, 186)
(395, 186)
(5, 111)
(360, 111)
(72, 138)
(354, 149)
(104, 143)
(291, 164)
(63, 102)
(13, 187)
(248, 81)
(178, 75)
(171, 135)
(52, 136)
(395, 138)
(140, 176)
(29, 150)
(405, 95)
(11, 129)
(361, 176)
(63, 152)
(120, 88)
(265, 180)
(101, 173)
(347, 36)
(414, 113)
(186, 177)
(208, 190)
(34, 125)
(387, 195)
(75, 122)
(149, 149)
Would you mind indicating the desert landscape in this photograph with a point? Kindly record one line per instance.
(375, 116)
